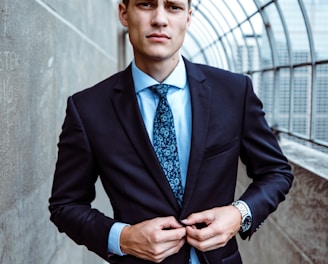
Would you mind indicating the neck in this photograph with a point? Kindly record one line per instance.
(159, 70)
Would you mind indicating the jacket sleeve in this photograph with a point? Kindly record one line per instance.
(74, 188)
(265, 163)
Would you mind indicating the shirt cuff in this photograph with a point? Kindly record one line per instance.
(114, 238)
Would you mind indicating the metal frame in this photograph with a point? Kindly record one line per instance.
(222, 45)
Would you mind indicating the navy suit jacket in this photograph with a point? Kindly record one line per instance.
(103, 135)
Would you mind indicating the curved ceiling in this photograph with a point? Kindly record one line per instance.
(223, 32)
(282, 45)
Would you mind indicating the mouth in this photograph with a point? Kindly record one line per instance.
(158, 36)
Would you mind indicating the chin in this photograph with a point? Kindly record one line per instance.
(161, 56)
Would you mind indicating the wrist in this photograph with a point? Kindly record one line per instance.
(124, 239)
(246, 215)
(114, 238)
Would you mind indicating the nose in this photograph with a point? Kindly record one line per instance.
(159, 17)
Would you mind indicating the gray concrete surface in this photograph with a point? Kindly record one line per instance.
(48, 50)
(297, 232)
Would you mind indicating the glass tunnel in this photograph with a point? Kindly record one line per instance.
(283, 46)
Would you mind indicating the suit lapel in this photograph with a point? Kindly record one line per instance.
(127, 109)
(200, 94)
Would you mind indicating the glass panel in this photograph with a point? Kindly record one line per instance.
(217, 59)
(201, 37)
(235, 38)
(253, 55)
(247, 29)
(280, 41)
(301, 101)
(214, 19)
(263, 2)
(189, 48)
(215, 16)
(206, 27)
(257, 23)
(249, 57)
(256, 80)
(234, 7)
(283, 87)
(249, 6)
(241, 52)
(266, 59)
(221, 8)
(204, 30)
(224, 64)
(317, 14)
(212, 56)
(265, 45)
(320, 128)
(296, 30)
(256, 41)
(231, 42)
(266, 94)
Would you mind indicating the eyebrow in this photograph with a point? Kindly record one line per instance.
(174, 2)
(165, 1)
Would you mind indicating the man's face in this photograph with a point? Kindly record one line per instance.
(156, 27)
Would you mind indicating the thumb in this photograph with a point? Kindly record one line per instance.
(197, 218)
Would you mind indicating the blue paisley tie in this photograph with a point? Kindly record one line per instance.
(165, 143)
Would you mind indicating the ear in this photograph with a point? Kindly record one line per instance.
(189, 17)
(123, 14)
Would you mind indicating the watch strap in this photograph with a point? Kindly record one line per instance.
(246, 215)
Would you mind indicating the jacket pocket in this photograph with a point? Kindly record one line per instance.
(217, 149)
(235, 258)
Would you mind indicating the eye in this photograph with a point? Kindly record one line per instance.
(145, 4)
(174, 7)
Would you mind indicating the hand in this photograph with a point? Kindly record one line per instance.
(220, 225)
(154, 239)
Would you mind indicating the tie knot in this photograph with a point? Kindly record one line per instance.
(160, 89)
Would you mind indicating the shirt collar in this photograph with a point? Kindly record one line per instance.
(177, 78)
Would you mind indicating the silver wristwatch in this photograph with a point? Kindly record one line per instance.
(246, 215)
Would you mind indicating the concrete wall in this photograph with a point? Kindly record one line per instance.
(48, 50)
(297, 232)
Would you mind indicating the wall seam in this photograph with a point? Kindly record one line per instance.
(75, 29)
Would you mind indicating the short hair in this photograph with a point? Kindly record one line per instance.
(126, 2)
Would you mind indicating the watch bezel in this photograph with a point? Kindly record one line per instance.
(246, 223)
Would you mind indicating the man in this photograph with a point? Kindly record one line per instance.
(112, 131)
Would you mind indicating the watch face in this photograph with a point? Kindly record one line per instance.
(247, 222)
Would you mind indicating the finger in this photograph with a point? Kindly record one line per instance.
(206, 245)
(200, 234)
(166, 243)
(211, 242)
(169, 223)
(167, 249)
(197, 218)
(176, 234)
(158, 247)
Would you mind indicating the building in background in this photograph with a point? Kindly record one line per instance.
(282, 46)
(296, 96)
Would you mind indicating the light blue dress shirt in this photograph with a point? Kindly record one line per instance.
(180, 103)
